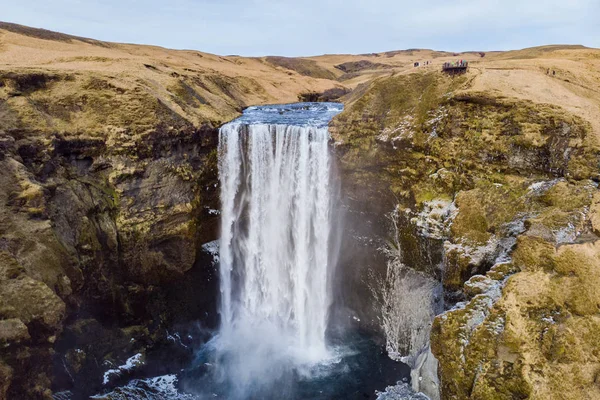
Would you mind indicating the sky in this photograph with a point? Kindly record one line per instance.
(312, 27)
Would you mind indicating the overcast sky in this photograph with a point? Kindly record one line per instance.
(310, 27)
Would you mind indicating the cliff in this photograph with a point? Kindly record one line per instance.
(482, 188)
(490, 184)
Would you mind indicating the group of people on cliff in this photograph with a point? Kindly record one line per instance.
(456, 64)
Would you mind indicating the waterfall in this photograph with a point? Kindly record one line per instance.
(281, 219)
(275, 248)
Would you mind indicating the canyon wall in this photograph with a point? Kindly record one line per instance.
(492, 202)
(109, 205)
(97, 229)
(471, 209)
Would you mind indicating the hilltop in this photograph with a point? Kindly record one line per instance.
(201, 87)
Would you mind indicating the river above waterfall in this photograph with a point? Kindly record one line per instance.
(295, 114)
(277, 260)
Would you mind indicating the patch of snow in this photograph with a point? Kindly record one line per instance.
(551, 319)
(476, 254)
(212, 248)
(479, 283)
(175, 338)
(436, 117)
(163, 384)
(108, 374)
(477, 310)
(401, 391)
(539, 188)
(402, 131)
(458, 306)
(497, 326)
(567, 234)
(132, 362)
(435, 218)
(496, 250)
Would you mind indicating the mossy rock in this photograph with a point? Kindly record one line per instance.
(537, 340)
(533, 254)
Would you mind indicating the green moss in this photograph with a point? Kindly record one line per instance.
(568, 197)
(502, 381)
(483, 210)
(533, 254)
(429, 191)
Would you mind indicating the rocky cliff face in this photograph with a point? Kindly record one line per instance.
(95, 230)
(492, 196)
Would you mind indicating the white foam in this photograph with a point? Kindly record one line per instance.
(131, 363)
(274, 249)
(158, 388)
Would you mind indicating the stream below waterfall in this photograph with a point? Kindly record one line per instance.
(277, 258)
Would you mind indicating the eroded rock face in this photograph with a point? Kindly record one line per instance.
(475, 175)
(99, 237)
(530, 334)
(473, 339)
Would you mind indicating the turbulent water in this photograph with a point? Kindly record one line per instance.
(277, 257)
(276, 252)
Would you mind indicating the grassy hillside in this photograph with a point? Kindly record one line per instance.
(108, 164)
(513, 146)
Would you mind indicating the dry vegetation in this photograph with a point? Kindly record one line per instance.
(201, 87)
(412, 135)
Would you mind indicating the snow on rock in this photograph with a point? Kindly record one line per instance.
(401, 131)
(176, 338)
(496, 250)
(475, 254)
(401, 391)
(479, 284)
(486, 293)
(435, 218)
(212, 248)
(567, 234)
(539, 188)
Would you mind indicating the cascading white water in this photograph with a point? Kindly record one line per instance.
(275, 248)
(275, 231)
(281, 220)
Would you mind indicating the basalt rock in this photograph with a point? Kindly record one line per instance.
(99, 234)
